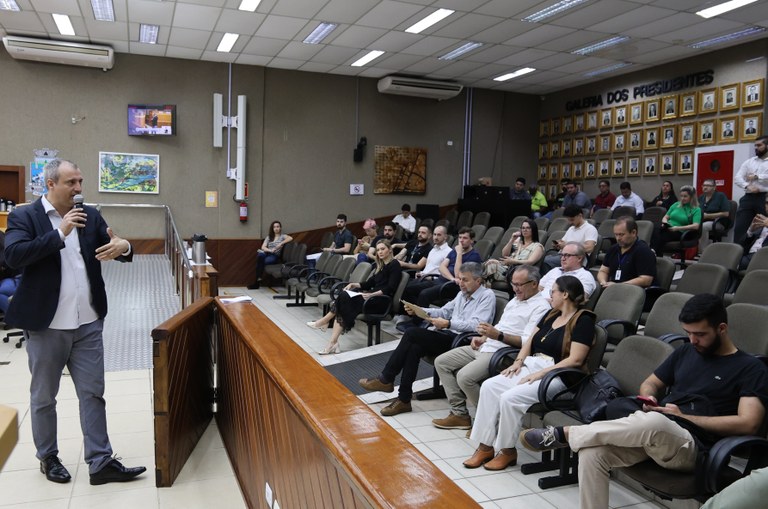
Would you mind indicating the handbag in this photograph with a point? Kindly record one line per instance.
(594, 394)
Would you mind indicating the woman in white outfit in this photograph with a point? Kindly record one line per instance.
(562, 339)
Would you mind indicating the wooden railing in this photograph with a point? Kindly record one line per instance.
(289, 425)
(183, 386)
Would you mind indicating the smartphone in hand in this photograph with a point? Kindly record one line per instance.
(646, 400)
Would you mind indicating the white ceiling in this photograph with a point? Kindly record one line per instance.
(660, 31)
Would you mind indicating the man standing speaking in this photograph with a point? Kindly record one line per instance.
(61, 304)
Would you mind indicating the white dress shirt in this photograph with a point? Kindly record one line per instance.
(435, 257)
(407, 223)
(753, 166)
(583, 275)
(633, 201)
(519, 319)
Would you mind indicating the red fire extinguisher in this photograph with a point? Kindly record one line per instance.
(243, 212)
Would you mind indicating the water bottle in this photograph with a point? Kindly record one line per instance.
(198, 248)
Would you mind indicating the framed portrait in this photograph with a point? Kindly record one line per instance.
(591, 120)
(591, 142)
(687, 105)
(565, 148)
(727, 129)
(651, 138)
(618, 167)
(554, 126)
(605, 144)
(633, 166)
(649, 164)
(635, 113)
(567, 123)
(578, 122)
(565, 171)
(619, 116)
(685, 166)
(606, 118)
(667, 163)
(554, 172)
(636, 139)
(706, 132)
(729, 97)
(578, 147)
(620, 141)
(554, 149)
(652, 110)
(543, 150)
(708, 100)
(589, 169)
(669, 105)
(543, 128)
(542, 175)
(578, 170)
(543, 189)
(668, 136)
(552, 191)
(753, 93)
(686, 135)
(604, 168)
(750, 126)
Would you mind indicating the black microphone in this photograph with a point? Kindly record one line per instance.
(78, 199)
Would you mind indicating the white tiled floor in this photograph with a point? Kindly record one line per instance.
(207, 479)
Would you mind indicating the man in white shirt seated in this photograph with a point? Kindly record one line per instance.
(437, 254)
(406, 221)
(629, 199)
(580, 231)
(571, 264)
(463, 369)
(755, 238)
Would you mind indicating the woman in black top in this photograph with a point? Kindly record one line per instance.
(383, 281)
(666, 197)
(562, 339)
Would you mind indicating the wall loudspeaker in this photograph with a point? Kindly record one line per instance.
(357, 154)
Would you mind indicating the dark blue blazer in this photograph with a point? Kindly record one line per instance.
(32, 245)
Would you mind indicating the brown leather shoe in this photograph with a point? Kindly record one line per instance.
(479, 458)
(453, 421)
(505, 458)
(396, 407)
(374, 384)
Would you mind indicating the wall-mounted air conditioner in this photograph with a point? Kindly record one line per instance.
(60, 52)
(417, 87)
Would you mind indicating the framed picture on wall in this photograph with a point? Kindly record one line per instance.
(578, 170)
(687, 135)
(554, 172)
(552, 191)
(619, 116)
(727, 129)
(543, 128)
(591, 145)
(554, 126)
(554, 149)
(708, 100)
(750, 126)
(543, 150)
(589, 169)
(706, 132)
(651, 138)
(636, 139)
(620, 141)
(543, 189)
(591, 120)
(604, 168)
(668, 133)
(565, 171)
(542, 175)
(566, 148)
(667, 163)
(633, 169)
(605, 144)
(129, 173)
(567, 123)
(652, 110)
(687, 104)
(686, 163)
(729, 97)
(635, 113)
(606, 120)
(753, 93)
(670, 107)
(578, 147)
(649, 164)
(578, 122)
(618, 167)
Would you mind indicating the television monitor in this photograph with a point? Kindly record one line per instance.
(151, 120)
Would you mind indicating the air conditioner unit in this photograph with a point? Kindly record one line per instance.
(60, 52)
(431, 89)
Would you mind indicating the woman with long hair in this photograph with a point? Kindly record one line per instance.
(523, 248)
(384, 281)
(269, 252)
(683, 215)
(666, 196)
(562, 339)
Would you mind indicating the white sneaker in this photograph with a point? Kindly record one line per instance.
(401, 318)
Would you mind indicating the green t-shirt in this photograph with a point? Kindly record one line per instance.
(683, 215)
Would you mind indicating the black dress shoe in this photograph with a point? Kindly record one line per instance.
(54, 471)
(254, 286)
(114, 471)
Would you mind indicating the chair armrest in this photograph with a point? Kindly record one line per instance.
(411, 272)
(753, 448)
(463, 339)
(571, 377)
(377, 306)
(721, 223)
(629, 327)
(689, 236)
(671, 338)
(296, 270)
(316, 276)
(336, 289)
(497, 359)
(326, 284)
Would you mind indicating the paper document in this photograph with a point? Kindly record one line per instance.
(418, 311)
(241, 298)
(352, 294)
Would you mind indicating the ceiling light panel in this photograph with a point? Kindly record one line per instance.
(728, 38)
(723, 8)
(227, 42)
(148, 33)
(63, 24)
(608, 43)
(432, 19)
(518, 73)
(369, 57)
(553, 10)
(103, 10)
(464, 48)
(322, 31)
(249, 5)
(9, 5)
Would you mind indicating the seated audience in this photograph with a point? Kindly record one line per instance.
(704, 390)
(571, 264)
(580, 231)
(562, 339)
(387, 233)
(384, 281)
(683, 215)
(269, 253)
(604, 199)
(413, 254)
(628, 261)
(629, 199)
(666, 196)
(472, 305)
(523, 248)
(538, 201)
(424, 279)
(575, 197)
(743, 493)
(370, 238)
(463, 369)
(343, 240)
(714, 205)
(406, 221)
(519, 192)
(755, 239)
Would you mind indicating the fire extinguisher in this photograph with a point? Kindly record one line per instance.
(243, 212)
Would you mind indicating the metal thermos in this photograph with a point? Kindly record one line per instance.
(198, 248)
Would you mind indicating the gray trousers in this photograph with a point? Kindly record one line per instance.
(82, 351)
(461, 371)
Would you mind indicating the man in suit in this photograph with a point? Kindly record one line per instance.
(686, 163)
(728, 130)
(707, 135)
(61, 304)
(750, 127)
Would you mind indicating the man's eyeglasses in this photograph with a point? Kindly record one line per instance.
(567, 255)
(520, 285)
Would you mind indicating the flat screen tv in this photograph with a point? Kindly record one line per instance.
(151, 119)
